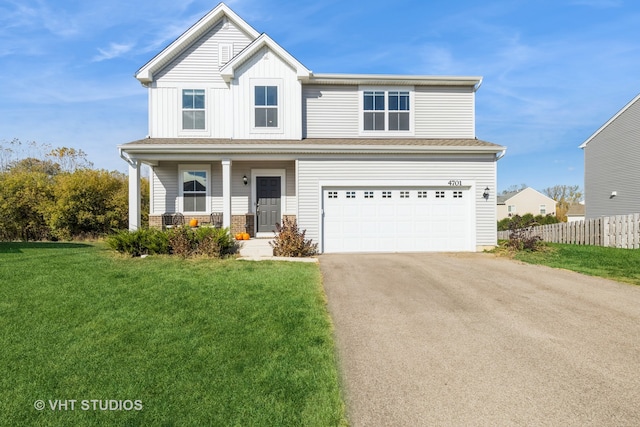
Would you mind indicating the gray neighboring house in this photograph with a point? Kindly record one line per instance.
(612, 165)
(241, 131)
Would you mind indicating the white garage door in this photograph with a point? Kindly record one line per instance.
(368, 219)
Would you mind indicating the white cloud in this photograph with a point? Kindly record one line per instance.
(113, 51)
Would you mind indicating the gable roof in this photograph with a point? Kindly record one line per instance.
(228, 70)
(221, 11)
(504, 198)
(611, 120)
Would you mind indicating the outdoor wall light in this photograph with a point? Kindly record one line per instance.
(486, 193)
(245, 180)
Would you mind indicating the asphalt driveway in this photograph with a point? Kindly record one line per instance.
(471, 339)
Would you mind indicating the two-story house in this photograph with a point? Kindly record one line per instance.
(364, 163)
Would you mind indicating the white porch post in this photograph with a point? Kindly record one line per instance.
(134, 195)
(226, 193)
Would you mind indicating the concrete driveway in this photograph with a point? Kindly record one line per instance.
(471, 339)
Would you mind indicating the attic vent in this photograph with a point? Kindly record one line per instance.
(224, 53)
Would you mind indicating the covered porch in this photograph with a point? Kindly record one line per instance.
(246, 193)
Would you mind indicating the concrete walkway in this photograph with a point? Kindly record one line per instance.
(260, 250)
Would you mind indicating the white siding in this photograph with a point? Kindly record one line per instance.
(164, 188)
(330, 111)
(265, 66)
(200, 63)
(444, 112)
(478, 170)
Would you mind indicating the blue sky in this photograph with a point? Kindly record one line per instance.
(554, 71)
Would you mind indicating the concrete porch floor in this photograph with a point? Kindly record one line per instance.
(259, 250)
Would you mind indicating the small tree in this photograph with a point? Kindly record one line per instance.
(521, 235)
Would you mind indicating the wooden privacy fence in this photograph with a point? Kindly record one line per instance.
(621, 231)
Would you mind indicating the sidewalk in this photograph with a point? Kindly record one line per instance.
(260, 250)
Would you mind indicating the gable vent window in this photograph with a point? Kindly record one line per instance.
(225, 52)
(266, 106)
(193, 109)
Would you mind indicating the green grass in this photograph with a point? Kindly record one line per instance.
(198, 342)
(611, 263)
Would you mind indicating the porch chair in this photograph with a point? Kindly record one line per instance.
(172, 220)
(216, 219)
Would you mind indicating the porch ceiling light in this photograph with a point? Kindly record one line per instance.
(245, 180)
(486, 193)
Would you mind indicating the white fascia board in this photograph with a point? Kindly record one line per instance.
(145, 74)
(302, 149)
(625, 108)
(396, 79)
(228, 70)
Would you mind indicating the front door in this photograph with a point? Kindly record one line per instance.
(268, 202)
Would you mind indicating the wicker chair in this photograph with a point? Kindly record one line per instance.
(172, 220)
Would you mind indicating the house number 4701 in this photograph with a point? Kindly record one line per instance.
(455, 183)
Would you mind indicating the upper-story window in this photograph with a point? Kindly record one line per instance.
(193, 111)
(386, 110)
(266, 106)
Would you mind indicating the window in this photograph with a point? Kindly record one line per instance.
(422, 194)
(368, 194)
(193, 109)
(398, 110)
(404, 194)
(543, 209)
(386, 110)
(266, 106)
(333, 194)
(194, 191)
(439, 194)
(351, 194)
(511, 209)
(457, 194)
(386, 194)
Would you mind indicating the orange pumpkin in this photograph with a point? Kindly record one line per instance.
(193, 222)
(239, 236)
(245, 236)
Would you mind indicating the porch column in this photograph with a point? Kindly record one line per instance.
(134, 195)
(226, 193)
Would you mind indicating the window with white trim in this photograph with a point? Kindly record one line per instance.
(543, 209)
(266, 106)
(193, 110)
(194, 190)
(386, 110)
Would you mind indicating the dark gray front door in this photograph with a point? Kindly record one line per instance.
(268, 207)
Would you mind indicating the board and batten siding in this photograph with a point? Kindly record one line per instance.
(199, 62)
(479, 170)
(444, 112)
(330, 111)
(267, 68)
(612, 163)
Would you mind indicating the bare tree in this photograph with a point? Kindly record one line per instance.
(565, 196)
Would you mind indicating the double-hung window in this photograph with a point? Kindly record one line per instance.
(266, 106)
(386, 110)
(193, 111)
(194, 190)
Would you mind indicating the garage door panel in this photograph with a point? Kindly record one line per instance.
(376, 219)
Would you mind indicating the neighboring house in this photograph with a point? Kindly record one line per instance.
(365, 163)
(612, 165)
(526, 201)
(575, 212)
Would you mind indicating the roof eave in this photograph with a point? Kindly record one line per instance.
(615, 116)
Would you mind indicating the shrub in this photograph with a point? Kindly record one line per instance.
(291, 242)
(140, 242)
(521, 235)
(214, 242)
(182, 241)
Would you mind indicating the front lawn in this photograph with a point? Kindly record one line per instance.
(162, 341)
(611, 263)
